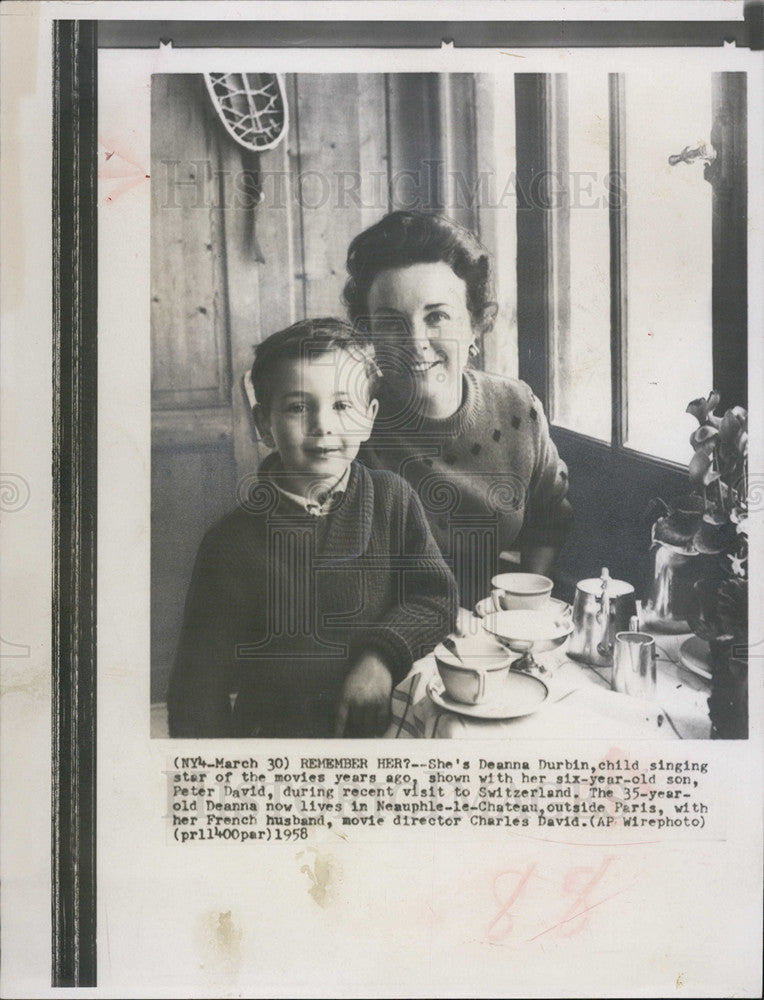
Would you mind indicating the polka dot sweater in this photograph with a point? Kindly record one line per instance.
(489, 476)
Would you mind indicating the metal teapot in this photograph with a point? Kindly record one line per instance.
(601, 608)
(671, 600)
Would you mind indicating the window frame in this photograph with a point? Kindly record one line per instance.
(612, 484)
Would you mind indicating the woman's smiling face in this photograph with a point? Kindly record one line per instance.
(422, 332)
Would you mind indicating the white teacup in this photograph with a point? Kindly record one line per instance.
(478, 673)
(520, 591)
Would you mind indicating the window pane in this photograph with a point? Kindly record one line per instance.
(668, 342)
(581, 338)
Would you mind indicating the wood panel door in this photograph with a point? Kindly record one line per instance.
(193, 471)
(223, 275)
(244, 244)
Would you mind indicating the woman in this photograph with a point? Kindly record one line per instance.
(475, 446)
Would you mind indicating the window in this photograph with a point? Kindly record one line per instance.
(669, 354)
(631, 288)
(580, 243)
(664, 232)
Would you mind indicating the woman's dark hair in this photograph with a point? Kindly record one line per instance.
(404, 238)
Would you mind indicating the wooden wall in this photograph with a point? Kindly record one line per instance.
(226, 272)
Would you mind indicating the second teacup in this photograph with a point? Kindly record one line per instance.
(477, 672)
(521, 591)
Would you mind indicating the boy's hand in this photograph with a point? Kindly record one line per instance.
(364, 706)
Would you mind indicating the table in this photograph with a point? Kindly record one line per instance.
(581, 704)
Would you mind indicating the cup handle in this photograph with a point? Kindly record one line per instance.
(480, 674)
(495, 595)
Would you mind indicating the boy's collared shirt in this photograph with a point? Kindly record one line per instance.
(323, 502)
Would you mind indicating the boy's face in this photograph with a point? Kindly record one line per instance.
(320, 414)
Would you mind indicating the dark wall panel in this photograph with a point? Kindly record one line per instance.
(192, 488)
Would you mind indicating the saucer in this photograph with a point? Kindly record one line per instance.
(487, 607)
(528, 631)
(524, 694)
(693, 655)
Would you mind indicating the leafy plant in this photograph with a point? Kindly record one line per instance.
(716, 522)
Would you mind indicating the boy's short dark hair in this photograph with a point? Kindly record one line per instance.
(309, 338)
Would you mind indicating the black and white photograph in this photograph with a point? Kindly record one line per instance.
(381, 595)
(525, 296)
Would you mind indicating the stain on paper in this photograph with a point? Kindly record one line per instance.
(119, 169)
(34, 684)
(221, 944)
(324, 873)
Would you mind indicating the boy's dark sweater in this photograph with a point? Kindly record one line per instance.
(281, 604)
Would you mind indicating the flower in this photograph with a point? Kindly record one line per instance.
(738, 565)
(717, 469)
(739, 517)
(703, 409)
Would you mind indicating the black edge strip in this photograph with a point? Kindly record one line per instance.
(729, 237)
(617, 217)
(745, 32)
(73, 897)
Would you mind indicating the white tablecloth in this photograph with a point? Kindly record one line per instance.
(581, 704)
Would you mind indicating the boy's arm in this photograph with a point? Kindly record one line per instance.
(428, 605)
(198, 703)
(425, 613)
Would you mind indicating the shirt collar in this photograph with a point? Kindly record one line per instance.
(322, 502)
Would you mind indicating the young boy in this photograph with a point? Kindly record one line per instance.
(314, 596)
